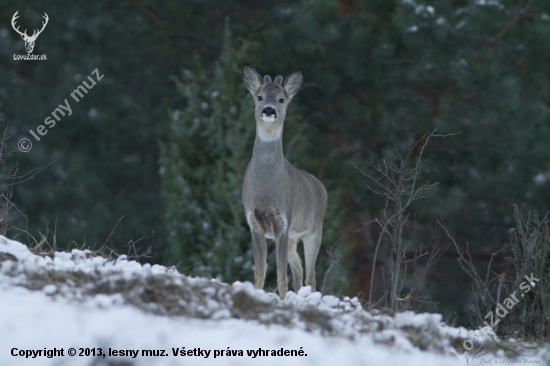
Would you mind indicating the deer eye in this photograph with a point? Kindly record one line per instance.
(282, 100)
(260, 98)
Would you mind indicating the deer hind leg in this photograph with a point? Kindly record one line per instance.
(312, 243)
(280, 229)
(295, 264)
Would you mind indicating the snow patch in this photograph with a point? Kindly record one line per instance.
(76, 299)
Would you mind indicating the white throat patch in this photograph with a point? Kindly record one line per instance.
(269, 136)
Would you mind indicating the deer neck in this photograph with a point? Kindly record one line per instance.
(268, 149)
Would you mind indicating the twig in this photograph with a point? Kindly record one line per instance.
(334, 261)
(112, 231)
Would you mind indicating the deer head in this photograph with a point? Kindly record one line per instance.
(29, 40)
(271, 99)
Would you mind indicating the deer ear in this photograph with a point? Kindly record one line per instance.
(252, 80)
(293, 83)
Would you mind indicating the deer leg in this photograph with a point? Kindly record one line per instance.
(295, 264)
(280, 226)
(259, 248)
(312, 243)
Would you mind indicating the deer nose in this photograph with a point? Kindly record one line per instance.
(269, 112)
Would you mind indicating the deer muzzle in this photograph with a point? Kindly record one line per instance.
(269, 114)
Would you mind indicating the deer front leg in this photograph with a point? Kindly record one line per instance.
(259, 248)
(281, 234)
(282, 260)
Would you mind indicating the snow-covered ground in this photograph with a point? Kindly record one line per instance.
(129, 314)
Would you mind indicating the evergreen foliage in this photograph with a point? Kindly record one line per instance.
(202, 166)
(376, 71)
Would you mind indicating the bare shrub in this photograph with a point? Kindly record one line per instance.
(397, 179)
(525, 277)
(10, 176)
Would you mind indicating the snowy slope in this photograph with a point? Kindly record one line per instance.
(77, 300)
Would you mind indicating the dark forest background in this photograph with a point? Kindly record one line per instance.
(163, 139)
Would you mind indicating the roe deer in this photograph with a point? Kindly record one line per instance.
(280, 202)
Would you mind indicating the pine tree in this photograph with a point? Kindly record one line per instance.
(202, 166)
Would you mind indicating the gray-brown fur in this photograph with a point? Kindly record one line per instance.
(280, 202)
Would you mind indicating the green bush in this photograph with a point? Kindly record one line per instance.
(202, 167)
